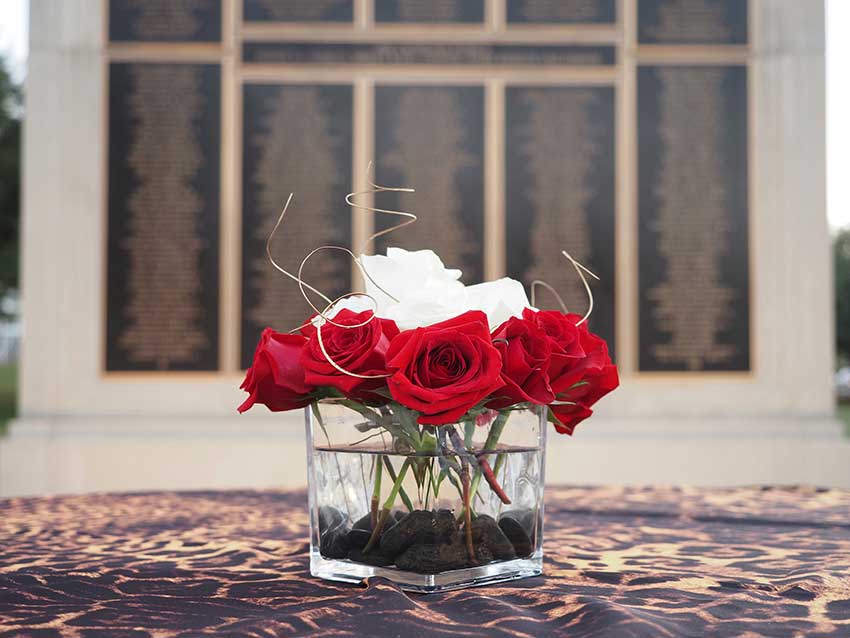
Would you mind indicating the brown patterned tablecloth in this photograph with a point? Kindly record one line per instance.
(619, 562)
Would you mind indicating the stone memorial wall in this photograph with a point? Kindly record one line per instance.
(675, 147)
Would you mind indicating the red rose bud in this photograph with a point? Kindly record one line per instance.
(526, 356)
(486, 418)
(445, 369)
(560, 328)
(583, 395)
(361, 350)
(565, 341)
(596, 376)
(568, 417)
(276, 378)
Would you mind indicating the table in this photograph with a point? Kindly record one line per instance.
(619, 562)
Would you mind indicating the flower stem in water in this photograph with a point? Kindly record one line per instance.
(490, 477)
(466, 493)
(388, 505)
(500, 461)
(404, 497)
(489, 445)
(464, 481)
(376, 492)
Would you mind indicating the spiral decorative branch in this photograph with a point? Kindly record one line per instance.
(322, 315)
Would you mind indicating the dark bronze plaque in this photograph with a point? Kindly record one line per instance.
(162, 282)
(429, 10)
(559, 174)
(440, 54)
(165, 20)
(298, 10)
(692, 21)
(693, 235)
(296, 139)
(562, 11)
(431, 138)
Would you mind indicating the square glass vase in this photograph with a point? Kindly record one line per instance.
(430, 508)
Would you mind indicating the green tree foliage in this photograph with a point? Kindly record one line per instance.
(841, 255)
(10, 178)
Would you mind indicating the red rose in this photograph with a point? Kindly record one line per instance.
(445, 369)
(361, 350)
(565, 341)
(567, 417)
(526, 355)
(588, 392)
(276, 378)
(596, 376)
(560, 328)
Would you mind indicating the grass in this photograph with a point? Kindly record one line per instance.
(8, 383)
(844, 414)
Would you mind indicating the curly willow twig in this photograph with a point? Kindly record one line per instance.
(323, 315)
(303, 286)
(581, 270)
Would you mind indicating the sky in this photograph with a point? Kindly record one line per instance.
(13, 45)
(14, 23)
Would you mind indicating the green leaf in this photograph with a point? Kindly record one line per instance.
(314, 407)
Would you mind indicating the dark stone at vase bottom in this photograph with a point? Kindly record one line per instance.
(524, 517)
(364, 523)
(330, 518)
(416, 527)
(425, 542)
(487, 533)
(357, 538)
(517, 536)
(334, 543)
(361, 532)
(445, 526)
(333, 533)
(428, 558)
(374, 557)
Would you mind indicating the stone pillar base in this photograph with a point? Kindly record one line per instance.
(85, 454)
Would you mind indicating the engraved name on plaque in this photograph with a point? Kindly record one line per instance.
(561, 11)
(693, 219)
(162, 280)
(298, 10)
(296, 139)
(165, 20)
(692, 21)
(429, 10)
(559, 173)
(431, 138)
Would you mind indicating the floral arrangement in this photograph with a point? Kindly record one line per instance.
(420, 341)
(436, 369)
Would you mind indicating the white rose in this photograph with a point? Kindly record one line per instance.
(406, 274)
(356, 304)
(499, 300)
(424, 292)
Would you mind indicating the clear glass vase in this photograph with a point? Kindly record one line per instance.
(430, 508)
